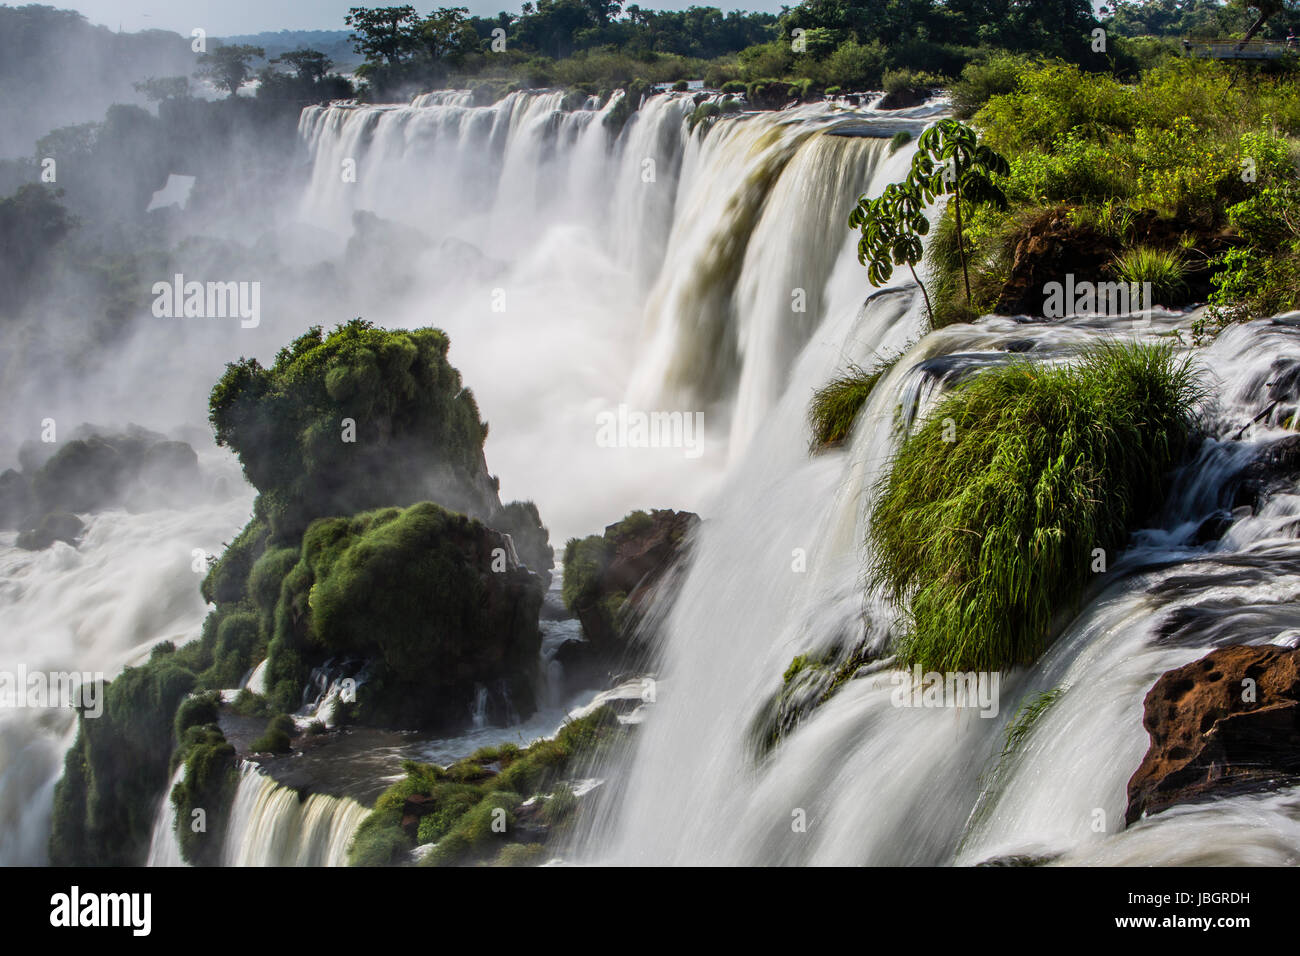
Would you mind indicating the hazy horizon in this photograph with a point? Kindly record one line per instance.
(239, 17)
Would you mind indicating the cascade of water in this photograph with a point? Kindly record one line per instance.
(881, 784)
(271, 825)
(163, 848)
(128, 585)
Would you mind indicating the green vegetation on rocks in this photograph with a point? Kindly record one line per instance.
(455, 807)
(357, 419)
(988, 523)
(835, 406)
(416, 591)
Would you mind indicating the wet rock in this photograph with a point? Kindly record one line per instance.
(15, 498)
(1227, 723)
(1212, 528)
(95, 470)
(1275, 468)
(58, 526)
(905, 99)
(611, 580)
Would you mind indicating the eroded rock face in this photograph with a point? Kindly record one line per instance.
(624, 570)
(1226, 723)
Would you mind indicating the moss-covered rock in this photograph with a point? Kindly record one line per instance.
(354, 420)
(278, 736)
(117, 769)
(478, 806)
(202, 798)
(428, 596)
(609, 579)
(102, 469)
(532, 540)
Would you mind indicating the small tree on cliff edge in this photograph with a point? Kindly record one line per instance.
(949, 160)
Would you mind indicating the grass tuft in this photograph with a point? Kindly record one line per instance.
(1165, 269)
(835, 406)
(988, 537)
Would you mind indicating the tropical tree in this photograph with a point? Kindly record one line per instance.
(950, 160)
(228, 65)
(382, 33)
(892, 226)
(310, 66)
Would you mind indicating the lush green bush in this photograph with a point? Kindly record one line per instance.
(117, 768)
(987, 524)
(414, 590)
(981, 80)
(1164, 269)
(289, 424)
(457, 803)
(278, 736)
(204, 794)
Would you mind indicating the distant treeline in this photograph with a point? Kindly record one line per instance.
(596, 44)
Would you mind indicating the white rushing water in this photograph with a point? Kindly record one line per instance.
(577, 267)
(271, 825)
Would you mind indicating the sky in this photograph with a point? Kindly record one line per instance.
(236, 17)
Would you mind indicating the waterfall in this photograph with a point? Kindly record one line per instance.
(271, 825)
(879, 784)
(578, 265)
(163, 848)
(128, 585)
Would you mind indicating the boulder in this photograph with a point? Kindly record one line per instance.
(58, 526)
(1274, 468)
(905, 98)
(1227, 723)
(610, 580)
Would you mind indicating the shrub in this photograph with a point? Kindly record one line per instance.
(408, 404)
(988, 536)
(733, 87)
(208, 785)
(1165, 269)
(278, 736)
(981, 80)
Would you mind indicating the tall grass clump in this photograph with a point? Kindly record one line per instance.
(985, 525)
(835, 406)
(1165, 269)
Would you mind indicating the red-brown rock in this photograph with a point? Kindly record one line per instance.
(1226, 723)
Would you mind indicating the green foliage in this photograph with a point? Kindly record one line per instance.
(414, 590)
(1026, 717)
(278, 736)
(117, 768)
(208, 786)
(585, 560)
(457, 804)
(407, 404)
(994, 75)
(249, 704)
(1167, 169)
(1165, 269)
(195, 711)
(705, 111)
(835, 406)
(988, 537)
(479, 832)
(228, 65)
